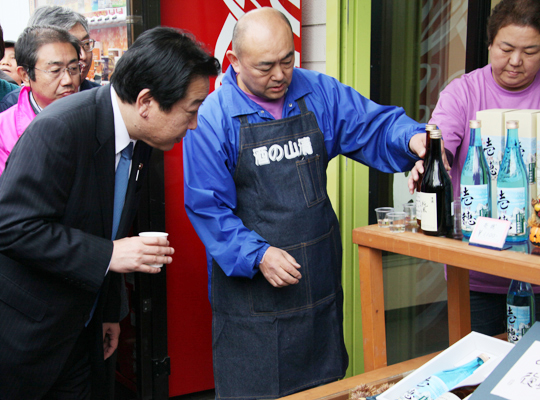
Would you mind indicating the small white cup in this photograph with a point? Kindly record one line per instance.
(154, 234)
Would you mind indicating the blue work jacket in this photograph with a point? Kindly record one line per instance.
(352, 125)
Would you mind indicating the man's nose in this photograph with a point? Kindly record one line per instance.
(193, 122)
(83, 55)
(67, 79)
(278, 73)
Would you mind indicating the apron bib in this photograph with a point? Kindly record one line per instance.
(270, 342)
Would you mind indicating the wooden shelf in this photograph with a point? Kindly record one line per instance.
(508, 264)
(459, 257)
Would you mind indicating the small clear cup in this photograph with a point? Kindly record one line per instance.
(398, 220)
(382, 218)
(410, 210)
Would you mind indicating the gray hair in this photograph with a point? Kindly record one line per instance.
(61, 17)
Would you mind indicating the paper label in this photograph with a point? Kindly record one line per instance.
(419, 204)
(522, 381)
(493, 150)
(518, 322)
(527, 147)
(429, 212)
(429, 389)
(490, 232)
(511, 207)
(474, 204)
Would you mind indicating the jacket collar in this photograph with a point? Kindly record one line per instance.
(25, 113)
(240, 104)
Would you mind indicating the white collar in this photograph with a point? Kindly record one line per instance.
(34, 103)
(121, 134)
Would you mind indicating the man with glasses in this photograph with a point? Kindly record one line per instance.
(48, 64)
(74, 23)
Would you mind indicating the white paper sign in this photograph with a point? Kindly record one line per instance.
(522, 381)
(490, 232)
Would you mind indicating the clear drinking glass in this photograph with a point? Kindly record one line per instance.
(397, 220)
(410, 210)
(382, 218)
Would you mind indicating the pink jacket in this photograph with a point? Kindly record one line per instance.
(13, 122)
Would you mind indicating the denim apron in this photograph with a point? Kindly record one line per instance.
(270, 342)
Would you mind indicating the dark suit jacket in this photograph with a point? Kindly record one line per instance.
(56, 211)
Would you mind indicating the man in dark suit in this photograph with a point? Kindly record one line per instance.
(57, 194)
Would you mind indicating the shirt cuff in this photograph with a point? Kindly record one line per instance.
(260, 255)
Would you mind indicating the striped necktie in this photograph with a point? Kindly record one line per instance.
(120, 185)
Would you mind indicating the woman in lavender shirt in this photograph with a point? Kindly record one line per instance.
(511, 80)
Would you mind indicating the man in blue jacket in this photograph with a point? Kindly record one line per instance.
(260, 206)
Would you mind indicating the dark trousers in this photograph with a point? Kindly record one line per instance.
(488, 312)
(74, 382)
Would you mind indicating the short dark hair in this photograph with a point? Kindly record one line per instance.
(513, 12)
(163, 60)
(61, 17)
(33, 38)
(1, 43)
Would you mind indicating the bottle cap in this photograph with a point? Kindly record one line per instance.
(512, 124)
(475, 124)
(484, 357)
(435, 134)
(430, 127)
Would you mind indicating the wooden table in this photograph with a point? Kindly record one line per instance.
(459, 256)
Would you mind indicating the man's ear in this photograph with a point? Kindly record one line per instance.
(144, 102)
(21, 71)
(233, 59)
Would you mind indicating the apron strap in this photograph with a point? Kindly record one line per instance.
(243, 119)
(302, 104)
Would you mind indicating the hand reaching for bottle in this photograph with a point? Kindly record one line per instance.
(419, 168)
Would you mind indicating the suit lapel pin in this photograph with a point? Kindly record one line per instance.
(140, 167)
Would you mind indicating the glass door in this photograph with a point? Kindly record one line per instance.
(418, 47)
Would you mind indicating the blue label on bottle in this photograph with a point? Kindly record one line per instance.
(511, 207)
(429, 389)
(527, 147)
(518, 322)
(474, 204)
(493, 150)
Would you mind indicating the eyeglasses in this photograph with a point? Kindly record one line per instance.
(88, 44)
(57, 73)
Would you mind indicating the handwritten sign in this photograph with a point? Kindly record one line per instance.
(522, 381)
(490, 233)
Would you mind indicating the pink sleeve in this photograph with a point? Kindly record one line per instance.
(451, 115)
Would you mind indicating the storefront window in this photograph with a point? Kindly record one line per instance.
(107, 23)
(418, 48)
